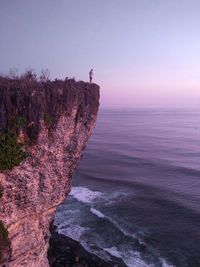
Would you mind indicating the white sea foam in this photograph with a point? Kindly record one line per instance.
(101, 215)
(84, 194)
(97, 213)
(65, 219)
(114, 197)
(130, 258)
(113, 251)
(132, 235)
(74, 231)
(165, 264)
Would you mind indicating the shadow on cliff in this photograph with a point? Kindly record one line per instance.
(29, 100)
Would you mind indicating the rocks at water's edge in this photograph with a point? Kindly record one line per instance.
(66, 252)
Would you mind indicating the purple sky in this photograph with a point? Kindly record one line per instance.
(145, 53)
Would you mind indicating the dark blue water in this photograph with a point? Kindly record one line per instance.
(136, 194)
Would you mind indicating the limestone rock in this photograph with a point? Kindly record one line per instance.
(59, 119)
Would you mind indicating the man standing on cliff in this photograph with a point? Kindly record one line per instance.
(91, 74)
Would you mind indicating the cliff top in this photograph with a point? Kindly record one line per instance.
(25, 101)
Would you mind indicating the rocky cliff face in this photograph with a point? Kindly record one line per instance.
(54, 121)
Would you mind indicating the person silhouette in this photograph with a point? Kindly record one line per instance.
(91, 74)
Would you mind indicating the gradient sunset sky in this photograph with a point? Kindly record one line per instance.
(145, 53)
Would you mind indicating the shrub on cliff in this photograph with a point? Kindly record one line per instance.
(3, 233)
(47, 119)
(11, 153)
(1, 192)
(29, 76)
(4, 242)
(19, 121)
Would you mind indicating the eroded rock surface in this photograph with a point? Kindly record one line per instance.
(59, 119)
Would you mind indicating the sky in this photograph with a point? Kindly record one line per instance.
(145, 53)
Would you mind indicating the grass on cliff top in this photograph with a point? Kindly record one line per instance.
(11, 153)
(29, 77)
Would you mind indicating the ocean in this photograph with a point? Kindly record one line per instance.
(136, 194)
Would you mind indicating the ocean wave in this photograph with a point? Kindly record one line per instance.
(97, 213)
(130, 258)
(84, 194)
(74, 231)
(165, 264)
(117, 225)
(133, 258)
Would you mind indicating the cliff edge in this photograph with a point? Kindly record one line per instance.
(44, 128)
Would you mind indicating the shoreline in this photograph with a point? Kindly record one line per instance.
(66, 252)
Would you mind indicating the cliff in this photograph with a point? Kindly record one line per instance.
(44, 128)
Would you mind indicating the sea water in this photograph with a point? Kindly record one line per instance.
(136, 193)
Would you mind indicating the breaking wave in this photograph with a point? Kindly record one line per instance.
(84, 194)
(79, 223)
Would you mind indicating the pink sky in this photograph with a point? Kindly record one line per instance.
(143, 52)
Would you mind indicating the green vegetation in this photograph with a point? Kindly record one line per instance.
(3, 233)
(11, 153)
(19, 121)
(4, 242)
(1, 192)
(47, 119)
